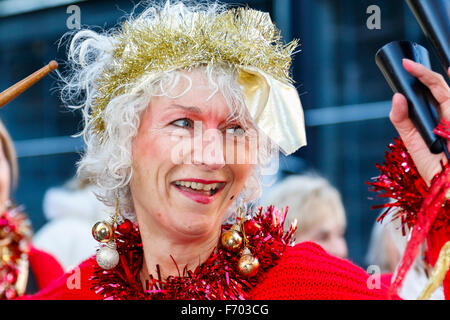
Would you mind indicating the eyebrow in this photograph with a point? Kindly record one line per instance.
(186, 108)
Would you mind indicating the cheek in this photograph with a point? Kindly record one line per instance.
(241, 172)
(4, 179)
(152, 163)
(148, 144)
(150, 150)
(240, 150)
(144, 162)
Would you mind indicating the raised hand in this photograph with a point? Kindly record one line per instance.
(427, 163)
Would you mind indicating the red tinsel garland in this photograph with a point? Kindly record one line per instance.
(443, 129)
(423, 210)
(399, 180)
(432, 220)
(15, 236)
(216, 279)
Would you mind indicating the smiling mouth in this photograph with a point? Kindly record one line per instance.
(205, 189)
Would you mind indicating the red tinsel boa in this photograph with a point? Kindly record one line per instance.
(425, 211)
(216, 279)
(15, 237)
(443, 129)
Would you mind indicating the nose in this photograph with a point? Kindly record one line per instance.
(208, 150)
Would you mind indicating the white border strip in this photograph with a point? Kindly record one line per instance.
(15, 7)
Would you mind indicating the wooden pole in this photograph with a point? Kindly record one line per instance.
(12, 92)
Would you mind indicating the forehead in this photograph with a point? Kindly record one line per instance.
(192, 91)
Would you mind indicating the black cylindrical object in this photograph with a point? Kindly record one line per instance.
(433, 17)
(421, 104)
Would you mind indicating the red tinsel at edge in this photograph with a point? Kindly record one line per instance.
(425, 211)
(216, 279)
(443, 129)
(15, 237)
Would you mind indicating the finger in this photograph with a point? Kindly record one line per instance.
(404, 126)
(433, 80)
(412, 139)
(399, 115)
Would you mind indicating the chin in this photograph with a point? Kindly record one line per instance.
(196, 224)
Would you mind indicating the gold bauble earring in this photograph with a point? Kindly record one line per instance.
(248, 264)
(231, 239)
(103, 231)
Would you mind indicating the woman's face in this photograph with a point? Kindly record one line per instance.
(329, 234)
(5, 179)
(184, 174)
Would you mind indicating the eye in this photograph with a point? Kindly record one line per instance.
(235, 130)
(183, 123)
(323, 236)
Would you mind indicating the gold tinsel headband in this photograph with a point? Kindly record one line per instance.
(243, 38)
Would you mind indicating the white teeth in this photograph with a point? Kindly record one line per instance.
(197, 185)
(214, 185)
(184, 183)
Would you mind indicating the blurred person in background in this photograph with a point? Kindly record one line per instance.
(23, 268)
(71, 210)
(386, 247)
(318, 209)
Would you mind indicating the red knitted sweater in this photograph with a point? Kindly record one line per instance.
(45, 267)
(304, 271)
